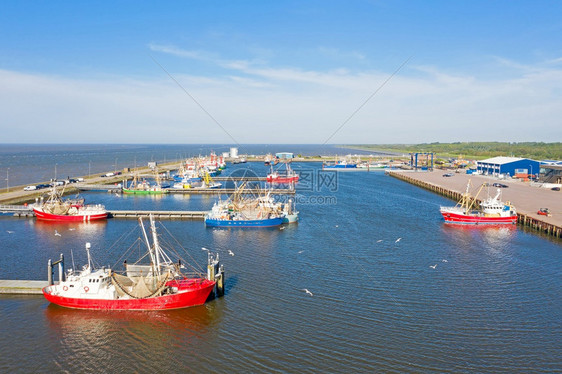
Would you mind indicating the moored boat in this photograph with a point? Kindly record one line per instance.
(242, 210)
(71, 210)
(489, 211)
(156, 283)
(288, 176)
(143, 187)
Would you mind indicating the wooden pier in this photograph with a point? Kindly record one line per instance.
(524, 218)
(177, 214)
(22, 287)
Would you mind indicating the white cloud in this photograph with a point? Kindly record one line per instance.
(263, 104)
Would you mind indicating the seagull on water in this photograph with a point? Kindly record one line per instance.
(282, 228)
(444, 261)
(307, 291)
(204, 249)
(230, 252)
(301, 251)
(433, 266)
(397, 240)
(380, 240)
(57, 233)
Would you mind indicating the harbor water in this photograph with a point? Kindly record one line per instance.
(394, 289)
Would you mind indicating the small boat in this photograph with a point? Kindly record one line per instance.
(70, 210)
(154, 282)
(490, 211)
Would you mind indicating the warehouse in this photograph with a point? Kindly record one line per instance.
(508, 166)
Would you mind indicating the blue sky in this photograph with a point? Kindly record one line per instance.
(280, 72)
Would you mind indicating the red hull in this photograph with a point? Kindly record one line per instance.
(475, 220)
(70, 218)
(282, 179)
(196, 294)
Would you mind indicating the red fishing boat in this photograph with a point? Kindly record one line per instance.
(155, 282)
(71, 210)
(288, 176)
(489, 211)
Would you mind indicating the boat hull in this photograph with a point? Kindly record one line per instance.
(197, 294)
(69, 218)
(466, 219)
(282, 179)
(270, 222)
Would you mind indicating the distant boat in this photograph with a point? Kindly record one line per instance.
(156, 283)
(288, 176)
(57, 209)
(490, 211)
(339, 165)
(142, 187)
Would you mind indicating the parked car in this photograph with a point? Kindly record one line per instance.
(544, 212)
(499, 185)
(39, 186)
(555, 188)
(448, 174)
(30, 188)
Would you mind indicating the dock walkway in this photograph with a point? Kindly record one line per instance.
(23, 287)
(177, 214)
(527, 199)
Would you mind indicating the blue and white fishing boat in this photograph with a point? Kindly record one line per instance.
(339, 165)
(245, 210)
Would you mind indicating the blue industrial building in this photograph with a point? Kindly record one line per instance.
(508, 166)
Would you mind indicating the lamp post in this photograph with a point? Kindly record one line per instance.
(89, 169)
(8, 180)
(55, 172)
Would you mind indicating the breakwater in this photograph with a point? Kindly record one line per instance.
(523, 218)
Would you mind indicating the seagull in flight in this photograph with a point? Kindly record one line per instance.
(299, 252)
(397, 240)
(57, 233)
(307, 291)
(230, 252)
(380, 240)
(9, 232)
(204, 249)
(444, 261)
(433, 266)
(71, 229)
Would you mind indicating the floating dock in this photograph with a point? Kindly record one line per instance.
(526, 199)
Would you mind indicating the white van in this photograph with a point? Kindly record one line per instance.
(30, 188)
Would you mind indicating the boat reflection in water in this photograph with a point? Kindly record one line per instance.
(143, 341)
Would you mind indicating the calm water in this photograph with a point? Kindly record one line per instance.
(492, 304)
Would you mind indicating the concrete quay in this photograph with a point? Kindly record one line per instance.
(22, 287)
(527, 199)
